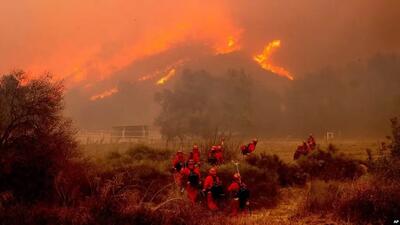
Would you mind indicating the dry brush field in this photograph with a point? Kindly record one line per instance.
(293, 203)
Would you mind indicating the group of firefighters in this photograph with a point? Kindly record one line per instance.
(307, 146)
(187, 176)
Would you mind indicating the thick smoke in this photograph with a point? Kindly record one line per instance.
(355, 100)
(101, 45)
(84, 41)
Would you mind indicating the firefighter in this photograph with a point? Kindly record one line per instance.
(239, 195)
(219, 154)
(213, 189)
(212, 159)
(196, 155)
(178, 163)
(311, 142)
(306, 148)
(192, 177)
(299, 152)
(249, 148)
(303, 149)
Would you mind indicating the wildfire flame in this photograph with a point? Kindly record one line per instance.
(166, 73)
(104, 94)
(263, 60)
(165, 78)
(228, 46)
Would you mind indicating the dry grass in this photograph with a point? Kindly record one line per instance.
(128, 184)
(284, 149)
(291, 200)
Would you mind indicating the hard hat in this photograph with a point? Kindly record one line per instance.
(236, 176)
(213, 171)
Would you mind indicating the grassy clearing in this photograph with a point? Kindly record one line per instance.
(284, 149)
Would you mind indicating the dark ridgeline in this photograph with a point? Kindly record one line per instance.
(355, 101)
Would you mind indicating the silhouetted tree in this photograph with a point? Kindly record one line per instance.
(36, 141)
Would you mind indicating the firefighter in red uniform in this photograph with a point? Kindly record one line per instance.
(306, 148)
(212, 158)
(219, 154)
(249, 148)
(303, 149)
(311, 142)
(196, 155)
(299, 152)
(192, 175)
(239, 195)
(213, 189)
(178, 163)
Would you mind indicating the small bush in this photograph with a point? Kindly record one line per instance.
(330, 165)
(386, 168)
(375, 202)
(288, 175)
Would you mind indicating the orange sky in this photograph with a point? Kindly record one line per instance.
(92, 39)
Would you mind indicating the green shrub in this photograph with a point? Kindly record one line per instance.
(330, 165)
(288, 175)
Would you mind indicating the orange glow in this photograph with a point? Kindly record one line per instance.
(84, 44)
(231, 42)
(146, 77)
(162, 72)
(230, 45)
(104, 94)
(164, 79)
(263, 60)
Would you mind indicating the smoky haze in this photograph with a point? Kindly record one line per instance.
(342, 54)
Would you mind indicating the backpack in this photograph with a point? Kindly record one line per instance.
(243, 194)
(245, 149)
(212, 159)
(216, 190)
(193, 178)
(178, 166)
